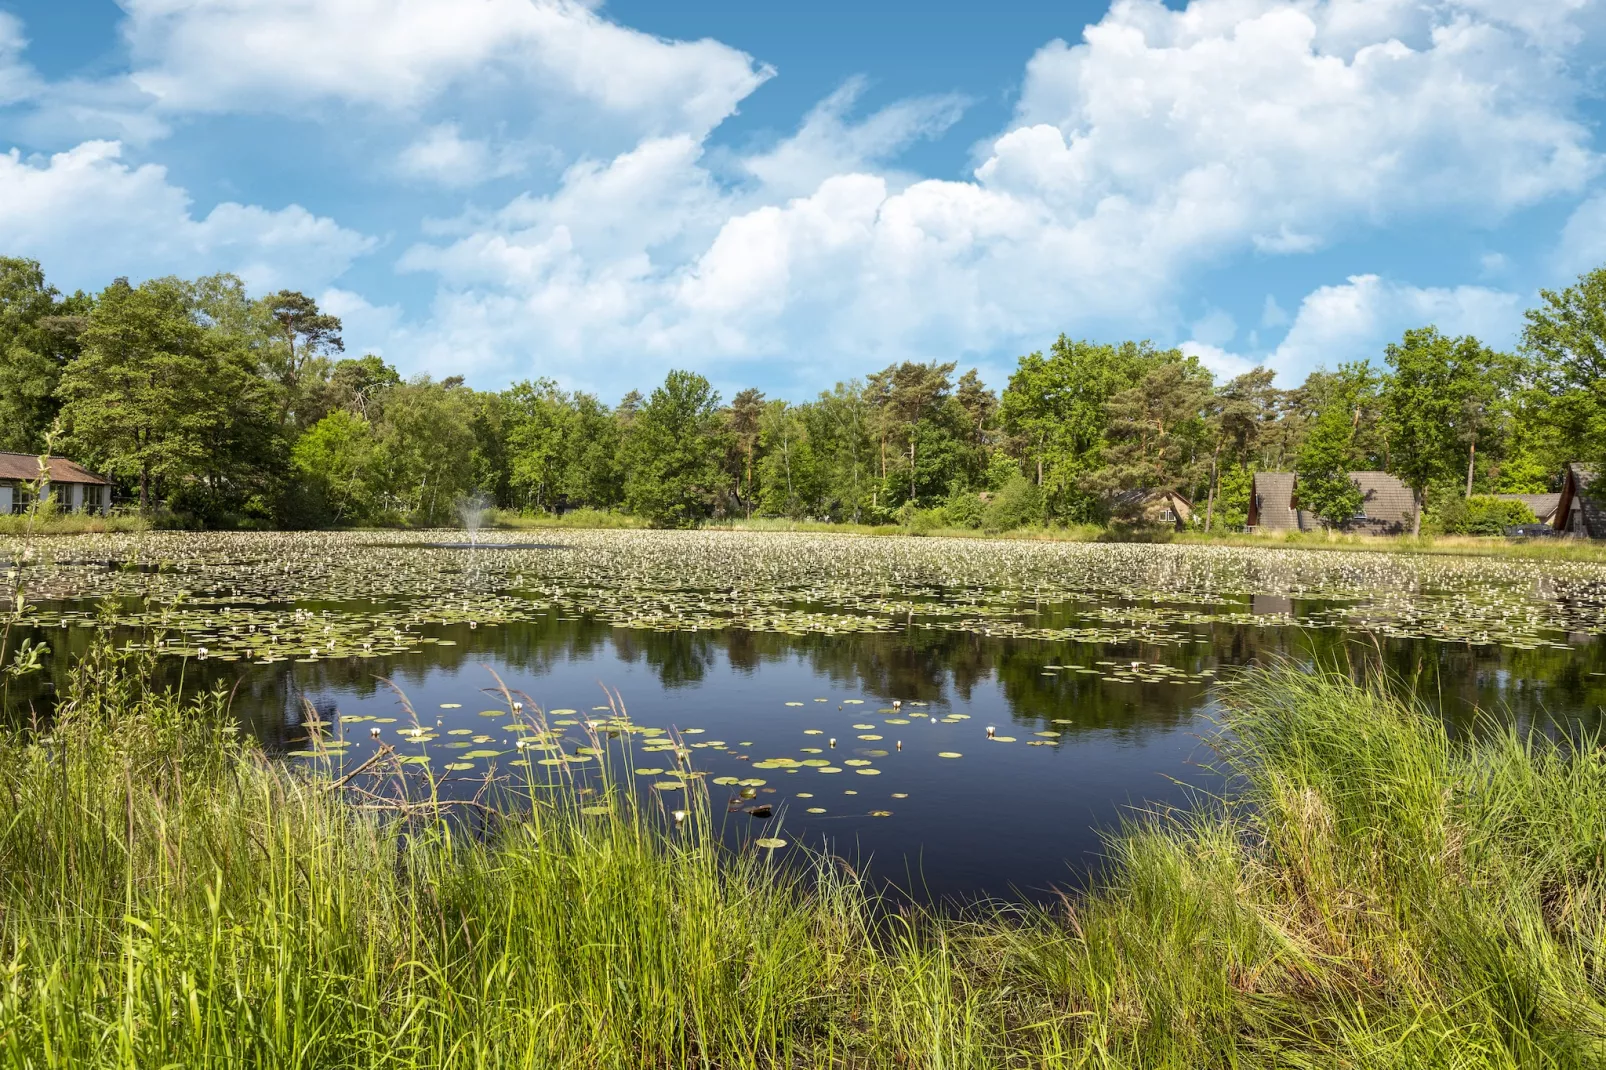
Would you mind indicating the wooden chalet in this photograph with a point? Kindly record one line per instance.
(1543, 506)
(1160, 508)
(1386, 508)
(1578, 511)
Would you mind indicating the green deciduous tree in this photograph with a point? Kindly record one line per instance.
(1326, 458)
(39, 337)
(744, 427)
(1054, 412)
(672, 447)
(426, 455)
(1434, 383)
(338, 459)
(1565, 341)
(156, 395)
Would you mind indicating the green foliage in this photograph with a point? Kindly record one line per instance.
(1055, 413)
(964, 509)
(1325, 460)
(1017, 504)
(673, 476)
(339, 462)
(160, 397)
(1232, 498)
(426, 441)
(1565, 339)
(1437, 400)
(1157, 434)
(1481, 514)
(209, 403)
(170, 898)
(39, 331)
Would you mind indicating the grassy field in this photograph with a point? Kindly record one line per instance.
(1372, 894)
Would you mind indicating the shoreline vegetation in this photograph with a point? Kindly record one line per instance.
(1369, 893)
(1554, 548)
(246, 413)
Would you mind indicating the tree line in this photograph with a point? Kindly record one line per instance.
(216, 408)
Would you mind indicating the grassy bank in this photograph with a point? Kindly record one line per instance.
(53, 523)
(1372, 895)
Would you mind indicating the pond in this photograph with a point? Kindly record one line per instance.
(966, 717)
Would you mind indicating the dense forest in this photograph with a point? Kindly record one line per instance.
(213, 408)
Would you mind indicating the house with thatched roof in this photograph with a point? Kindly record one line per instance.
(1387, 506)
(1543, 506)
(1271, 503)
(1578, 510)
(74, 487)
(1160, 508)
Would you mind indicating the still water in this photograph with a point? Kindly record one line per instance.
(882, 735)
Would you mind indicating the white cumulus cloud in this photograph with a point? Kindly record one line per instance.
(252, 55)
(445, 157)
(85, 210)
(1163, 141)
(17, 79)
(1356, 319)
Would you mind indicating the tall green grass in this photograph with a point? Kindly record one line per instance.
(1370, 894)
(52, 522)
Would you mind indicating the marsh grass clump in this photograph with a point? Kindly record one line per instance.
(1369, 894)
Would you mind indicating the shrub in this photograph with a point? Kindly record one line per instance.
(1481, 514)
(1017, 504)
(964, 509)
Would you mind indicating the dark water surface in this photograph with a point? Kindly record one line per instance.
(1005, 819)
(1088, 733)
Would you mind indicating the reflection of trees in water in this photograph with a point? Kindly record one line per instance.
(915, 664)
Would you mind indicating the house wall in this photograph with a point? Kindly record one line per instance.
(77, 497)
(7, 505)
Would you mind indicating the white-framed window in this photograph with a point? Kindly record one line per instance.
(1167, 516)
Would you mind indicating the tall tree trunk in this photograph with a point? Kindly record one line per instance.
(911, 465)
(1472, 456)
(1416, 513)
(1210, 501)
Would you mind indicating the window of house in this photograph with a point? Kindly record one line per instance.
(1167, 516)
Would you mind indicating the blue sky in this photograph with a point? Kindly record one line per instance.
(788, 194)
